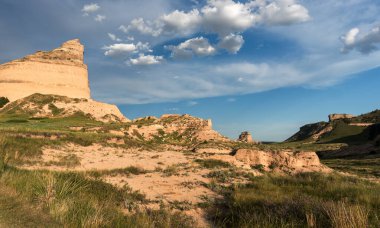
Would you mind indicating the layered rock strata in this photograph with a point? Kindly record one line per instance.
(60, 72)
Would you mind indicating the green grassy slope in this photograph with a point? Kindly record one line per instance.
(345, 133)
(368, 168)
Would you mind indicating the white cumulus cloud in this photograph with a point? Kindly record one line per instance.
(181, 22)
(226, 16)
(90, 8)
(146, 60)
(119, 49)
(350, 37)
(284, 12)
(142, 26)
(126, 49)
(232, 43)
(222, 17)
(199, 46)
(364, 43)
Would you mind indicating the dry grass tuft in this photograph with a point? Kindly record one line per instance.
(344, 215)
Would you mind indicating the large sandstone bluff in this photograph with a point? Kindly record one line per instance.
(59, 74)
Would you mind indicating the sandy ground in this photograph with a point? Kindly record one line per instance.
(184, 187)
(97, 157)
(172, 177)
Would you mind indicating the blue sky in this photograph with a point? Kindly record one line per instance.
(267, 66)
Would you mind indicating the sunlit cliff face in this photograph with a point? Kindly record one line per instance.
(60, 71)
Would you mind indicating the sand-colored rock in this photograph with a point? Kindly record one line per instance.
(334, 116)
(212, 150)
(185, 126)
(147, 132)
(323, 131)
(60, 71)
(287, 161)
(245, 137)
(197, 128)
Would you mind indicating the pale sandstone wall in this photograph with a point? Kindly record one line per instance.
(60, 72)
(333, 117)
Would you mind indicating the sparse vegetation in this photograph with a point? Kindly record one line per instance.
(259, 167)
(55, 110)
(212, 163)
(368, 168)
(69, 161)
(300, 201)
(170, 170)
(73, 200)
(125, 171)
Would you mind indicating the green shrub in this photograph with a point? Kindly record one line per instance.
(273, 165)
(212, 163)
(55, 110)
(3, 101)
(259, 167)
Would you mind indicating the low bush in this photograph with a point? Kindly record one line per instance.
(3, 101)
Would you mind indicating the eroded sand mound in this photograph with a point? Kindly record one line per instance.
(54, 106)
(178, 127)
(284, 161)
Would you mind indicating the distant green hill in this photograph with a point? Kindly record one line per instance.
(371, 117)
(356, 130)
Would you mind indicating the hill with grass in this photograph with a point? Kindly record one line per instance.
(351, 130)
(55, 106)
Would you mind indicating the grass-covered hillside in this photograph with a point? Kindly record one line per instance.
(356, 130)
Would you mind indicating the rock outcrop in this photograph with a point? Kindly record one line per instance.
(181, 127)
(341, 128)
(60, 72)
(53, 84)
(311, 131)
(245, 137)
(333, 117)
(282, 161)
